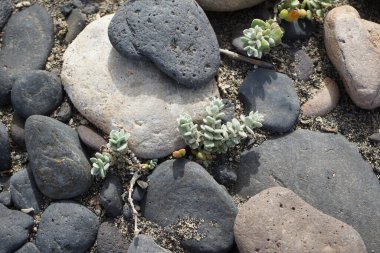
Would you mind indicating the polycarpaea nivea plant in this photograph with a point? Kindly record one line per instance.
(259, 39)
(118, 141)
(213, 136)
(100, 164)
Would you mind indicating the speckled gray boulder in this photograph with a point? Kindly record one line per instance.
(145, 244)
(14, 229)
(36, 93)
(323, 169)
(59, 166)
(175, 34)
(66, 227)
(110, 196)
(110, 240)
(5, 12)
(5, 149)
(28, 40)
(273, 95)
(24, 191)
(28, 248)
(180, 189)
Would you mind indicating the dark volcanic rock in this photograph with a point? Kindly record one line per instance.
(224, 174)
(110, 240)
(110, 196)
(325, 170)
(67, 227)
(175, 34)
(145, 244)
(5, 149)
(76, 23)
(24, 191)
(300, 29)
(5, 12)
(273, 95)
(28, 248)
(91, 138)
(59, 166)
(14, 229)
(180, 189)
(28, 40)
(5, 198)
(6, 83)
(36, 93)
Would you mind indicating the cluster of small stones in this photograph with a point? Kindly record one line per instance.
(139, 69)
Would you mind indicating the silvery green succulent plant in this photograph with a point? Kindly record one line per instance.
(214, 137)
(259, 39)
(189, 131)
(100, 164)
(118, 141)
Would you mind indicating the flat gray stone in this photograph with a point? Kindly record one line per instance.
(174, 34)
(67, 227)
(111, 91)
(145, 244)
(60, 167)
(180, 189)
(75, 24)
(24, 191)
(27, 41)
(110, 196)
(273, 95)
(14, 229)
(323, 169)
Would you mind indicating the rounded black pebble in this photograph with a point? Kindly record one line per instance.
(36, 93)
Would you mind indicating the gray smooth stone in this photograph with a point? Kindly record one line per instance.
(5, 149)
(110, 196)
(67, 227)
(36, 93)
(24, 191)
(6, 9)
(14, 229)
(175, 34)
(182, 189)
(145, 244)
(28, 248)
(27, 41)
(110, 240)
(59, 165)
(323, 169)
(273, 95)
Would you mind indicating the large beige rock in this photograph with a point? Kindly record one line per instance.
(112, 91)
(277, 220)
(353, 46)
(227, 5)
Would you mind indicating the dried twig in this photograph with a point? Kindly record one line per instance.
(132, 183)
(239, 57)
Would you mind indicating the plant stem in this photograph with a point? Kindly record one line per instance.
(239, 57)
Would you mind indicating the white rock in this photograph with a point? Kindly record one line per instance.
(227, 5)
(112, 91)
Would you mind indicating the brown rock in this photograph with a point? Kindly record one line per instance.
(277, 220)
(353, 46)
(323, 101)
(90, 138)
